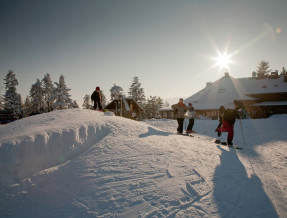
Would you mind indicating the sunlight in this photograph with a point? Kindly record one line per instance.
(223, 60)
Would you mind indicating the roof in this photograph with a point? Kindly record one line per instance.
(227, 89)
(126, 102)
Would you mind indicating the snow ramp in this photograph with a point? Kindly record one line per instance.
(42, 141)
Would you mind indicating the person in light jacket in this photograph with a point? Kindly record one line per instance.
(180, 109)
(190, 114)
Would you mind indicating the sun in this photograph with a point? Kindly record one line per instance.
(223, 60)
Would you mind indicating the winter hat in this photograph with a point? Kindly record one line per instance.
(98, 88)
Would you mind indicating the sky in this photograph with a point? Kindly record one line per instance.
(171, 46)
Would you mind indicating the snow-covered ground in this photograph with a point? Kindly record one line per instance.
(83, 163)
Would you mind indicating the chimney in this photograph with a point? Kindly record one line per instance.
(226, 74)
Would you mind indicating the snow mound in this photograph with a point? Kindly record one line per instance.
(48, 143)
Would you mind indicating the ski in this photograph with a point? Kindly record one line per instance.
(225, 144)
(186, 134)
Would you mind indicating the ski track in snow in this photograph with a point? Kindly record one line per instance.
(115, 167)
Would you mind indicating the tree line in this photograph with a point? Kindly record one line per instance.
(263, 71)
(45, 95)
(151, 105)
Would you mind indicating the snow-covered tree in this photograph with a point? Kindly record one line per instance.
(283, 71)
(75, 104)
(87, 103)
(166, 104)
(136, 92)
(152, 106)
(116, 91)
(27, 109)
(12, 100)
(263, 69)
(63, 100)
(37, 97)
(49, 92)
(1, 103)
(104, 99)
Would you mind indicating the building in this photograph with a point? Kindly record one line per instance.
(126, 107)
(261, 97)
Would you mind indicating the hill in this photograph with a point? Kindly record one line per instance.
(82, 163)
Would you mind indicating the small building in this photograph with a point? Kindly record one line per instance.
(126, 107)
(167, 113)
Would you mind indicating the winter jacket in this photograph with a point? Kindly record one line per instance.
(180, 110)
(96, 96)
(190, 113)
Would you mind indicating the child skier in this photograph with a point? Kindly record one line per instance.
(227, 118)
(97, 99)
(190, 114)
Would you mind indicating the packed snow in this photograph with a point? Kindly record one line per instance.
(84, 163)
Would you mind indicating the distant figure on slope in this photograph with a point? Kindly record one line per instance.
(180, 109)
(97, 99)
(227, 120)
(220, 118)
(190, 114)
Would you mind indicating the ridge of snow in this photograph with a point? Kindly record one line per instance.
(50, 144)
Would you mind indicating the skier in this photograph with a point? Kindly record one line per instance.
(220, 115)
(228, 119)
(190, 114)
(180, 109)
(97, 99)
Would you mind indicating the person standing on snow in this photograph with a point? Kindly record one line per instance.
(220, 117)
(97, 99)
(180, 109)
(190, 114)
(228, 120)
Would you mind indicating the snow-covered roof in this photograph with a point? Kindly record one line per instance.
(227, 89)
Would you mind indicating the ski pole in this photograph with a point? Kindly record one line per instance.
(242, 131)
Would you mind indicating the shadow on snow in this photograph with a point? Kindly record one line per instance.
(237, 195)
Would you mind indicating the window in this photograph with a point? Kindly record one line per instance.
(221, 91)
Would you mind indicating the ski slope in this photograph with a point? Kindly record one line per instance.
(83, 163)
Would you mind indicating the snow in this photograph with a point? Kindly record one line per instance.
(227, 89)
(84, 163)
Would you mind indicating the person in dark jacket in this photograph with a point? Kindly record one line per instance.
(96, 97)
(227, 121)
(190, 115)
(180, 109)
(220, 118)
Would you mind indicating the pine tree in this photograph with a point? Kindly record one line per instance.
(37, 97)
(283, 71)
(12, 100)
(1, 103)
(75, 104)
(263, 69)
(27, 109)
(63, 100)
(136, 92)
(152, 106)
(49, 92)
(116, 92)
(87, 103)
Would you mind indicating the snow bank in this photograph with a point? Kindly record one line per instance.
(44, 141)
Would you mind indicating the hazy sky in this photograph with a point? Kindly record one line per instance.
(169, 45)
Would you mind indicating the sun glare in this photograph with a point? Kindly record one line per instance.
(223, 60)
